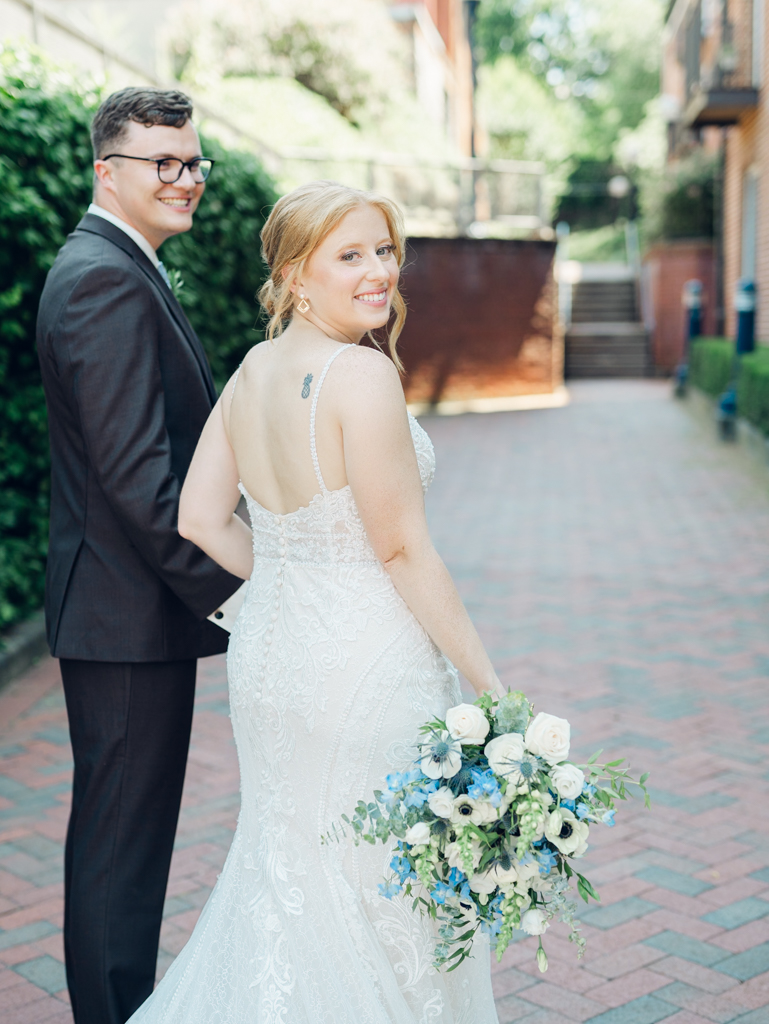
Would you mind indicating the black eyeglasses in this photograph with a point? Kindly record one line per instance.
(170, 168)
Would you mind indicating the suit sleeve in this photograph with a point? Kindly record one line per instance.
(108, 359)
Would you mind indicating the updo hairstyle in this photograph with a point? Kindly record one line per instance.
(297, 225)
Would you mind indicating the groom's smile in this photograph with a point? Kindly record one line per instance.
(129, 182)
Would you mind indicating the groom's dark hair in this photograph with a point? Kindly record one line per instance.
(145, 105)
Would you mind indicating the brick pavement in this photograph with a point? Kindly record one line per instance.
(616, 560)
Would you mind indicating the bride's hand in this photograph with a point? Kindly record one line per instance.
(496, 689)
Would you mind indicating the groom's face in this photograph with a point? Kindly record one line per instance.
(132, 189)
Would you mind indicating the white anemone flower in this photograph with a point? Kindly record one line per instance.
(441, 757)
(567, 832)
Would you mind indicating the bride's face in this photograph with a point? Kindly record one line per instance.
(350, 279)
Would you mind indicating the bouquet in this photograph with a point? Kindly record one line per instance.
(488, 823)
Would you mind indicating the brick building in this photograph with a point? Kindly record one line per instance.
(441, 62)
(713, 77)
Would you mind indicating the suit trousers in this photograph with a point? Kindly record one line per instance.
(130, 730)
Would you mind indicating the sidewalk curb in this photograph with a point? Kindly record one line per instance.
(25, 643)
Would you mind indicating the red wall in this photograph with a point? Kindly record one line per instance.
(481, 319)
(669, 265)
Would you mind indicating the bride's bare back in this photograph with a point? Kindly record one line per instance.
(269, 423)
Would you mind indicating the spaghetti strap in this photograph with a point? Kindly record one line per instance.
(318, 386)
(235, 380)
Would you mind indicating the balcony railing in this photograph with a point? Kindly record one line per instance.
(718, 59)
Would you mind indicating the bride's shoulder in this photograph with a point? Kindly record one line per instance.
(368, 387)
(368, 367)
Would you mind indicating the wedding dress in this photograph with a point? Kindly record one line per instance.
(330, 677)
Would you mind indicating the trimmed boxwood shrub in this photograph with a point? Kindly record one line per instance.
(45, 183)
(711, 369)
(710, 364)
(45, 187)
(753, 389)
(219, 261)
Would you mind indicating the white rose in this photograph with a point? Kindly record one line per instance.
(485, 883)
(441, 802)
(503, 751)
(549, 737)
(568, 780)
(467, 723)
(454, 857)
(527, 875)
(418, 835)
(542, 883)
(534, 922)
(565, 831)
(506, 878)
(485, 813)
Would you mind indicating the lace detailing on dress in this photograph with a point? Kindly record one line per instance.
(330, 678)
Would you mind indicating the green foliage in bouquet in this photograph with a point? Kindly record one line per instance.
(488, 822)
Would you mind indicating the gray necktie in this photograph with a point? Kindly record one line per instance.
(164, 274)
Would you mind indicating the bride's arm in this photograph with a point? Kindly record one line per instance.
(210, 496)
(384, 478)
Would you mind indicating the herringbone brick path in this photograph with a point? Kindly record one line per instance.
(616, 559)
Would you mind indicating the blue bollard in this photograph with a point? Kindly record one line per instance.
(745, 307)
(691, 299)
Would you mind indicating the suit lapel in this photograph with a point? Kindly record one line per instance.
(100, 226)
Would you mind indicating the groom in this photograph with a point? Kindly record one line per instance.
(128, 390)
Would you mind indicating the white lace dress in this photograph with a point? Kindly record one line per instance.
(330, 676)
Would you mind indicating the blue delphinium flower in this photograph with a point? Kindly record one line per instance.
(402, 868)
(491, 928)
(589, 790)
(582, 811)
(418, 797)
(546, 860)
(569, 805)
(456, 877)
(389, 889)
(395, 781)
(441, 891)
(485, 784)
(608, 818)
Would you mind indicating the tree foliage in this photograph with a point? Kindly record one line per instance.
(45, 186)
(600, 56)
(347, 51)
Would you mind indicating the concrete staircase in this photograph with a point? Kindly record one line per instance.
(606, 337)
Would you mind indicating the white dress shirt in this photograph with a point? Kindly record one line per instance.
(133, 234)
(227, 612)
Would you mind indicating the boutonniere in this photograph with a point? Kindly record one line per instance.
(177, 284)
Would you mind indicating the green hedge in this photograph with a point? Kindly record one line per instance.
(710, 369)
(710, 364)
(220, 261)
(753, 389)
(45, 186)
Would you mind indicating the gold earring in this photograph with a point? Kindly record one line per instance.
(304, 306)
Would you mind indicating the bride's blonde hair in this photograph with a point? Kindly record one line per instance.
(297, 225)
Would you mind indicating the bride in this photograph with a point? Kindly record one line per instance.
(346, 643)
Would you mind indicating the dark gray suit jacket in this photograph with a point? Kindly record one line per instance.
(128, 389)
